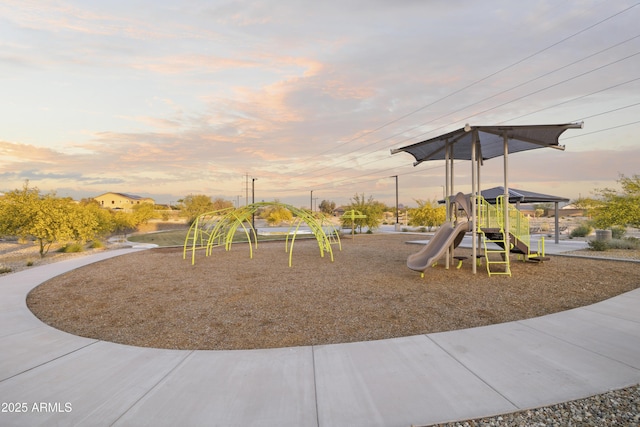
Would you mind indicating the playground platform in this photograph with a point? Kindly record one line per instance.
(551, 248)
(49, 377)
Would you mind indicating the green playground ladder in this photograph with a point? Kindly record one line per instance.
(491, 227)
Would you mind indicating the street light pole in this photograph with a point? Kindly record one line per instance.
(397, 209)
(311, 201)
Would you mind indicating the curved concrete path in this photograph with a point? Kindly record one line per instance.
(56, 378)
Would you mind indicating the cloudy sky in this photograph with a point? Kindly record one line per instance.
(165, 98)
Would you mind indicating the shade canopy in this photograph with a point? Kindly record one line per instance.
(520, 196)
(490, 141)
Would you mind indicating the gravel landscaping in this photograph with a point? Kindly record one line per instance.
(155, 298)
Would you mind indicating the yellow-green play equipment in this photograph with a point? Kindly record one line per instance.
(353, 215)
(218, 228)
(487, 223)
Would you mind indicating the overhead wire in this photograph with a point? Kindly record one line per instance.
(479, 81)
(520, 98)
(493, 96)
(601, 130)
(350, 180)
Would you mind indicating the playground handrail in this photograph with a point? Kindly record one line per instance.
(490, 216)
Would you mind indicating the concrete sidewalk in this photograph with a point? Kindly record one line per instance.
(49, 377)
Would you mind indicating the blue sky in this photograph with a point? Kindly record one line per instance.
(166, 98)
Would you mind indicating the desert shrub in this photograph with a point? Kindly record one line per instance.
(626, 243)
(96, 244)
(423, 229)
(5, 269)
(71, 248)
(598, 245)
(405, 229)
(583, 230)
(29, 263)
(618, 232)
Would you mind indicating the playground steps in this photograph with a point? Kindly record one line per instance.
(498, 237)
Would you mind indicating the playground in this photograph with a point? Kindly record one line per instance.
(230, 301)
(227, 300)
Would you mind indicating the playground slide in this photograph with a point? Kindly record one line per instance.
(437, 246)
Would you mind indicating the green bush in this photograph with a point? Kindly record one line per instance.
(598, 245)
(626, 243)
(423, 229)
(404, 229)
(583, 230)
(96, 244)
(618, 232)
(72, 248)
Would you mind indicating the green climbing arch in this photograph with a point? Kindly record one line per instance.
(218, 228)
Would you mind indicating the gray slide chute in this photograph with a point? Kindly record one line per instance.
(448, 234)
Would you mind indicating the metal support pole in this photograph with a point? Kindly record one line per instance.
(557, 224)
(397, 205)
(474, 200)
(507, 226)
(445, 196)
(253, 200)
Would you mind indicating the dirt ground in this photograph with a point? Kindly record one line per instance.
(155, 298)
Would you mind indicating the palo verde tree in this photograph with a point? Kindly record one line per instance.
(327, 207)
(619, 208)
(427, 214)
(276, 214)
(195, 205)
(373, 210)
(46, 218)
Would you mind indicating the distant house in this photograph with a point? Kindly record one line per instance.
(121, 200)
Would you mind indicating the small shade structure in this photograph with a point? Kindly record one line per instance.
(523, 196)
(479, 143)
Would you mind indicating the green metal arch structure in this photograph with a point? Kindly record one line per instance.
(218, 228)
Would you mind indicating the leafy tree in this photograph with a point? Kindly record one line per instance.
(47, 219)
(619, 208)
(123, 223)
(219, 204)
(15, 210)
(276, 214)
(373, 210)
(427, 214)
(587, 204)
(327, 207)
(104, 219)
(193, 206)
(142, 213)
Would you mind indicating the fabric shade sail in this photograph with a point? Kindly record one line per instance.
(490, 141)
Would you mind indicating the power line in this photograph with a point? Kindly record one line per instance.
(350, 180)
(572, 100)
(533, 93)
(493, 74)
(607, 112)
(601, 130)
(490, 97)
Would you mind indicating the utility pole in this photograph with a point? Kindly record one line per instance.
(246, 189)
(311, 202)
